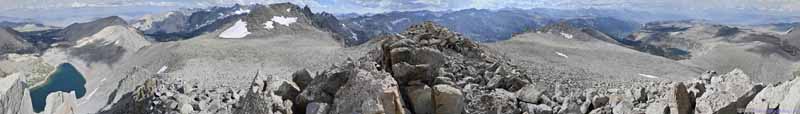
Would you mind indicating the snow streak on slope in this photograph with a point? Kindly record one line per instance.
(648, 76)
(562, 54)
(568, 36)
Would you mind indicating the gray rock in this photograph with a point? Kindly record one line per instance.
(200, 106)
(287, 107)
(364, 91)
(600, 101)
(14, 97)
(427, 55)
(405, 72)
(529, 94)
(181, 98)
(727, 93)
(624, 107)
(447, 100)
(185, 88)
(171, 105)
(777, 97)
(420, 98)
(392, 102)
(681, 101)
(186, 108)
(658, 108)
(402, 54)
(443, 80)
(640, 94)
(570, 107)
(317, 108)
(302, 78)
(287, 90)
(601, 110)
(538, 109)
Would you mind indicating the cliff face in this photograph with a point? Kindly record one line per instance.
(14, 97)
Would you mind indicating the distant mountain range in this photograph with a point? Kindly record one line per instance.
(488, 25)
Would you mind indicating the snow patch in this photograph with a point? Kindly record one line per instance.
(238, 30)
(289, 10)
(399, 20)
(353, 35)
(562, 54)
(161, 71)
(568, 36)
(285, 21)
(241, 11)
(268, 25)
(648, 76)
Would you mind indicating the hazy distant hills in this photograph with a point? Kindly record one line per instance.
(485, 25)
(721, 47)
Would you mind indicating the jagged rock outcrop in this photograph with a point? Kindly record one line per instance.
(727, 93)
(61, 103)
(777, 98)
(14, 95)
(12, 42)
(262, 99)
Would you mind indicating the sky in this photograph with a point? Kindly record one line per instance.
(58, 9)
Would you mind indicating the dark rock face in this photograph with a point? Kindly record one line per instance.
(99, 52)
(12, 42)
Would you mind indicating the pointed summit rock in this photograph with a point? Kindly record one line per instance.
(77, 31)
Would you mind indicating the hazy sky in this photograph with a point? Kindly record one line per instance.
(62, 8)
(391, 5)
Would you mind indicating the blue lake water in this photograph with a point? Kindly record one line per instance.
(66, 78)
